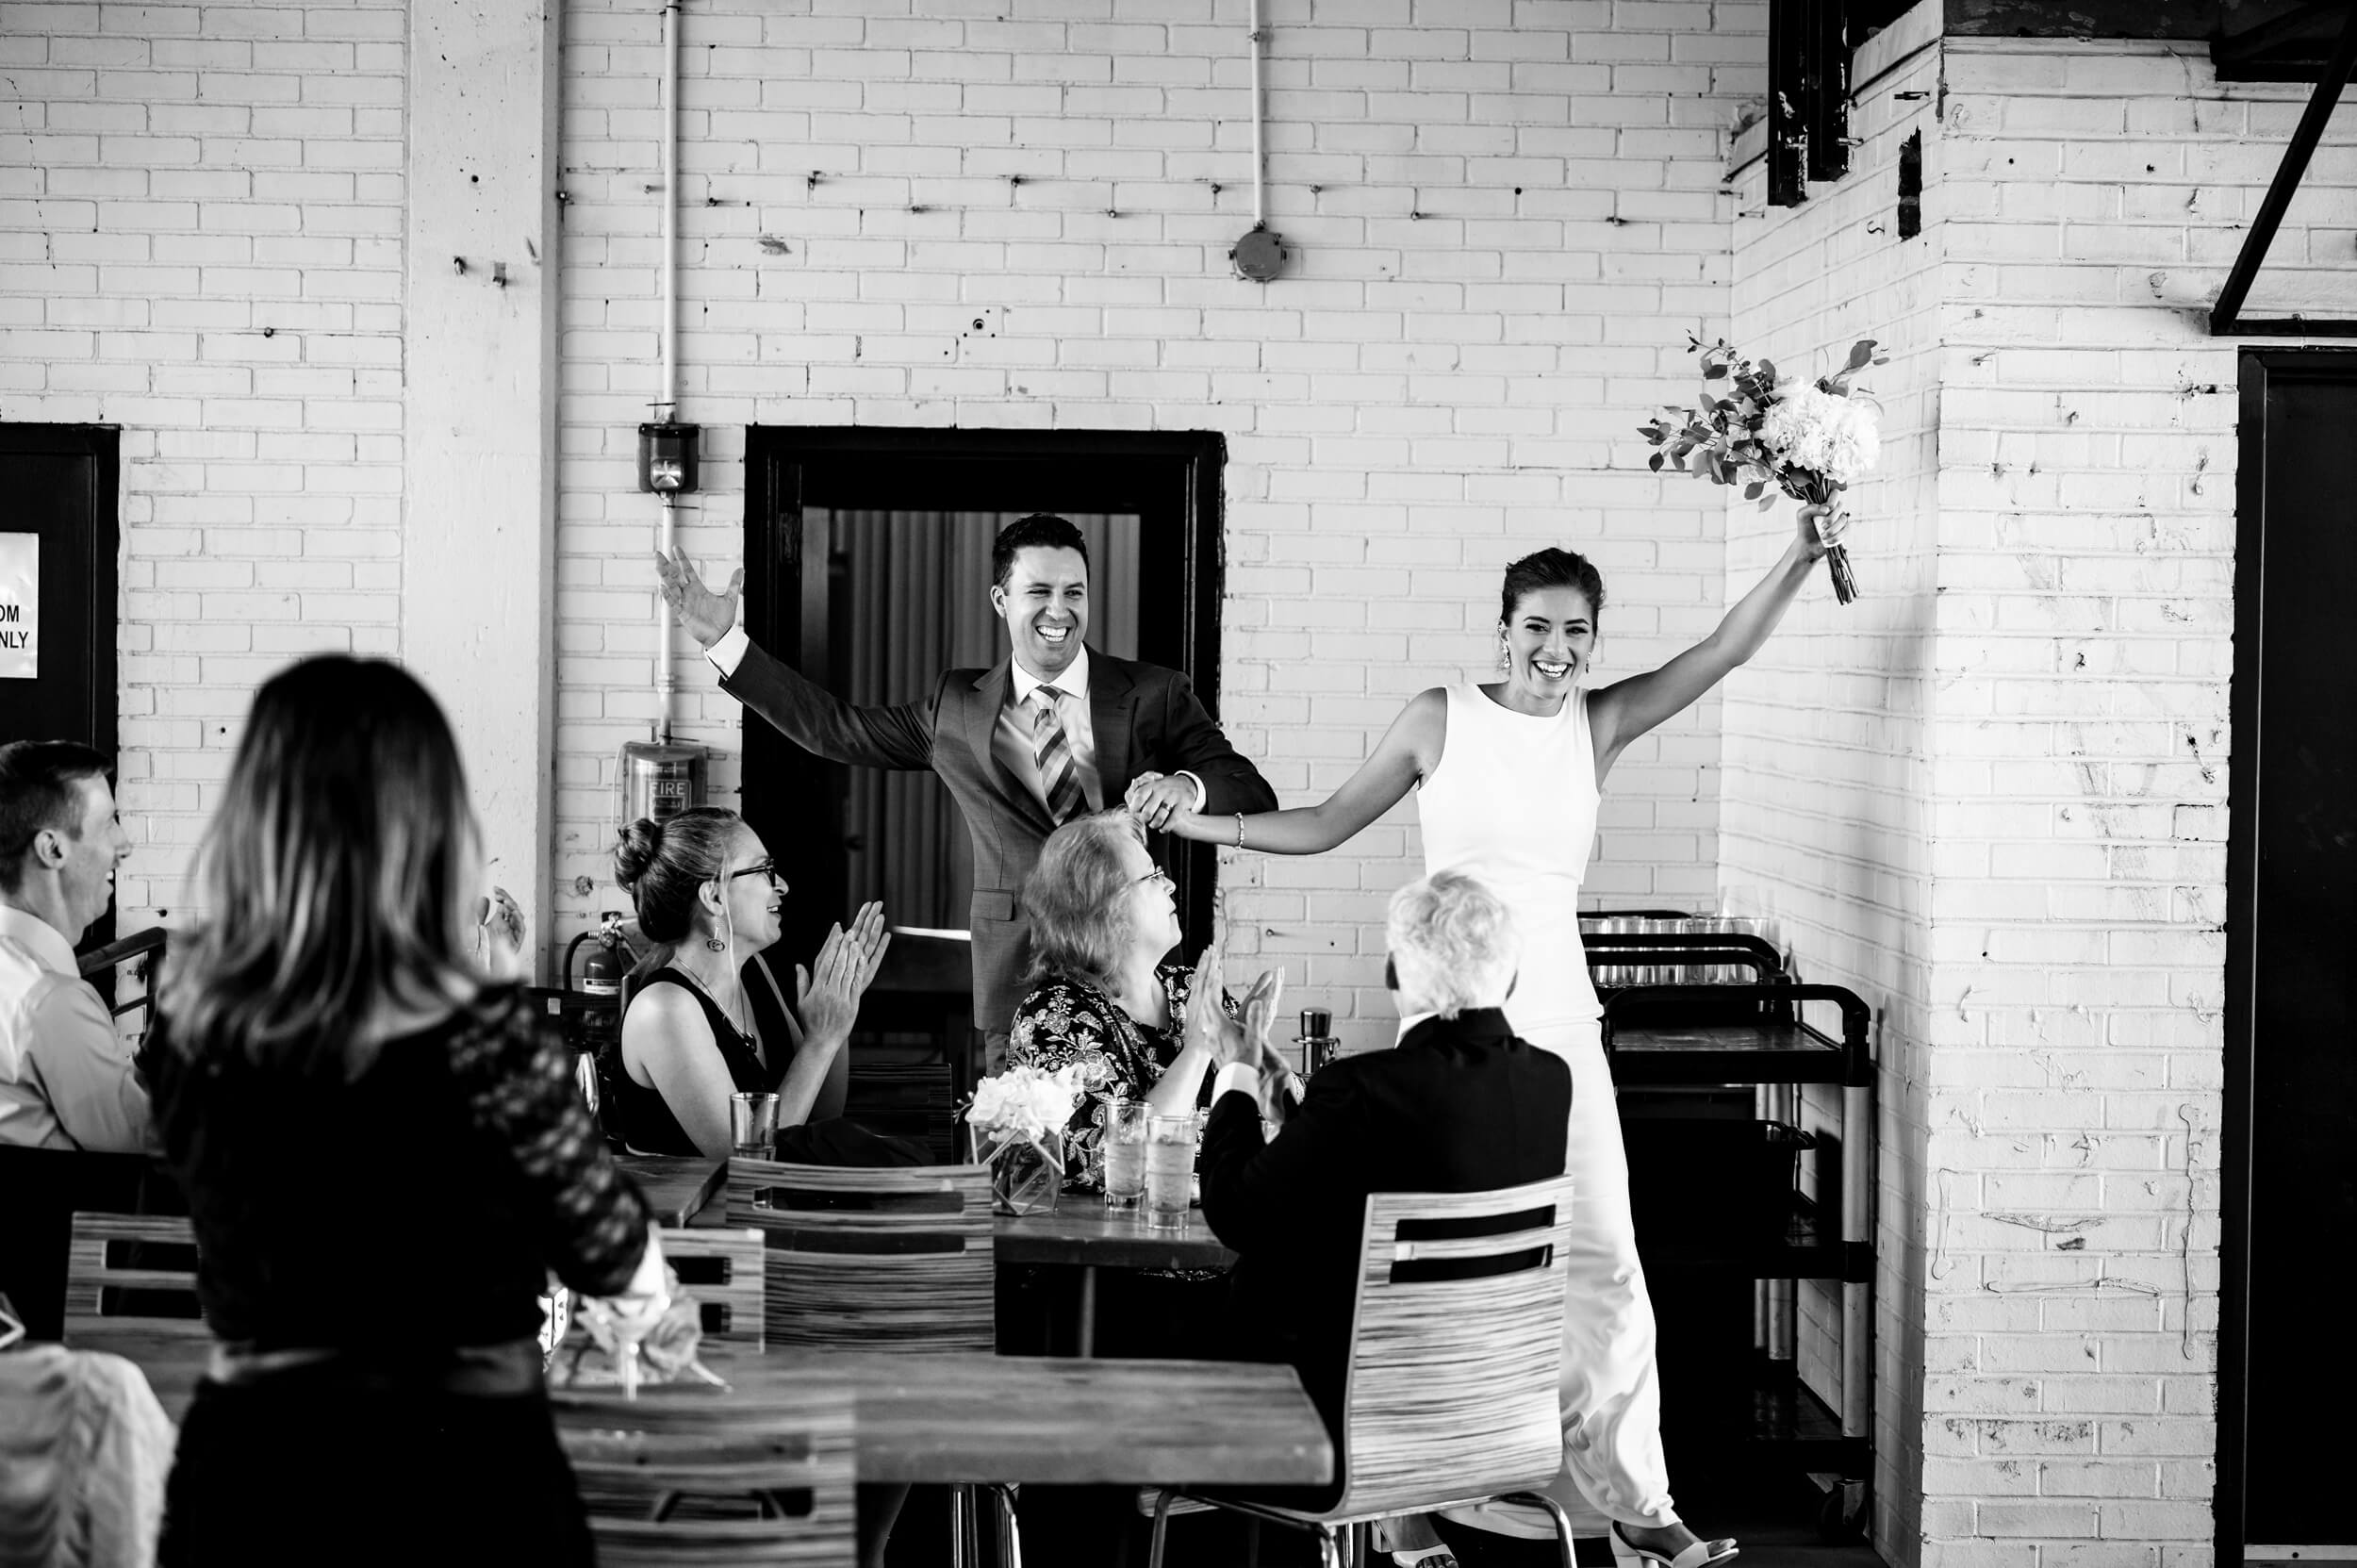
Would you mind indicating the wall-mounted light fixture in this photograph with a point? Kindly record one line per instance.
(667, 458)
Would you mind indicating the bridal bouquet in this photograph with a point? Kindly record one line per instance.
(1809, 439)
(1017, 1120)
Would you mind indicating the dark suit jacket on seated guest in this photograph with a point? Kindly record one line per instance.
(1459, 1105)
(1146, 718)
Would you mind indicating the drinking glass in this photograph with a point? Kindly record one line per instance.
(1125, 1153)
(1169, 1170)
(753, 1124)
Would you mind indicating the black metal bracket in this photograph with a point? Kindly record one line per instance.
(1808, 95)
(2226, 318)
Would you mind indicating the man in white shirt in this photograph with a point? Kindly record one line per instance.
(66, 1078)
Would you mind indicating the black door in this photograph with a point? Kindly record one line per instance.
(2289, 1181)
(1163, 493)
(58, 481)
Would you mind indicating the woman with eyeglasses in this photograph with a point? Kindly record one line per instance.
(706, 1017)
(1105, 989)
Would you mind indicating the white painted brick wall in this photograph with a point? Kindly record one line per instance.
(200, 235)
(1505, 221)
(2004, 770)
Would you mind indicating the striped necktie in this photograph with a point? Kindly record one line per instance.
(1052, 750)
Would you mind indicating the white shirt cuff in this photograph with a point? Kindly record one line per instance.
(1201, 794)
(1237, 1075)
(728, 651)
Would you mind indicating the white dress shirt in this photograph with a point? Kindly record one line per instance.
(1014, 741)
(66, 1076)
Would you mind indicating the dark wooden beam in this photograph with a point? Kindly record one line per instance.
(2224, 318)
(1828, 113)
(1788, 102)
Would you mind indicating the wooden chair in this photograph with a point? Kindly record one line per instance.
(890, 1258)
(722, 1270)
(676, 1477)
(1457, 1340)
(162, 1270)
(896, 1258)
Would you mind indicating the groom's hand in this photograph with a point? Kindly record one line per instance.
(1154, 798)
(706, 615)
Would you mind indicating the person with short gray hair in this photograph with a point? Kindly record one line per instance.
(1452, 946)
(1458, 1105)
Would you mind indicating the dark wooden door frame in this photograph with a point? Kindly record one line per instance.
(101, 443)
(1170, 479)
(93, 593)
(2259, 369)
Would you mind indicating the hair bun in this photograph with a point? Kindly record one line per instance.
(635, 849)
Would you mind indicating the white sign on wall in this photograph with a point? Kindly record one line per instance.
(20, 607)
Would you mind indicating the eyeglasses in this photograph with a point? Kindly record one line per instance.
(766, 866)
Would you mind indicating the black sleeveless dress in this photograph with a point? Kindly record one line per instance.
(639, 1115)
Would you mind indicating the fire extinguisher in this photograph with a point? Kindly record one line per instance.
(593, 1004)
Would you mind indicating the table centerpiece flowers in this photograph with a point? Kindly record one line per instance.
(1016, 1120)
(1809, 439)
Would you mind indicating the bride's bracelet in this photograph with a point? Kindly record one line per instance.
(1239, 830)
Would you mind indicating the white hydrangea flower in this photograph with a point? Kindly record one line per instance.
(1840, 438)
(1025, 1102)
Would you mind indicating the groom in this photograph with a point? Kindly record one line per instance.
(1053, 731)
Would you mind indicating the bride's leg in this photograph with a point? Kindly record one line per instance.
(1611, 1394)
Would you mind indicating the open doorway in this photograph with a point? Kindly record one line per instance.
(2288, 1190)
(868, 566)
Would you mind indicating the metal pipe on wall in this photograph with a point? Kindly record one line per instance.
(1260, 157)
(666, 400)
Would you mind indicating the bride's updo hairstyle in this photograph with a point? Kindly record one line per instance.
(1551, 569)
(661, 865)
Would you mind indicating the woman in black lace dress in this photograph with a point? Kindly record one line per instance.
(384, 1155)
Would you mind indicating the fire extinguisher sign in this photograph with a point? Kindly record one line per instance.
(20, 607)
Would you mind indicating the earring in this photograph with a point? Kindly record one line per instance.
(713, 944)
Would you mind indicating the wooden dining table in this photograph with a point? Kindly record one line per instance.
(1081, 1232)
(971, 1417)
(677, 1187)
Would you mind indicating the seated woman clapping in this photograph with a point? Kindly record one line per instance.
(1104, 990)
(706, 1017)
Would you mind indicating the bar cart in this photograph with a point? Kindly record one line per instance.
(1689, 1011)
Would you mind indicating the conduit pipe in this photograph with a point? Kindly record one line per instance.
(1260, 157)
(666, 394)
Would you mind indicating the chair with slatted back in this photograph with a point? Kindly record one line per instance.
(896, 1258)
(1457, 1340)
(131, 1274)
(723, 1271)
(677, 1477)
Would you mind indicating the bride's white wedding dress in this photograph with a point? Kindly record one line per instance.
(1513, 803)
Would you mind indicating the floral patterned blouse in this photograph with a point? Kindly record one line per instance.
(1066, 1019)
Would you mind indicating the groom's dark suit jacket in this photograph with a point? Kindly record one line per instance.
(1146, 718)
(1459, 1105)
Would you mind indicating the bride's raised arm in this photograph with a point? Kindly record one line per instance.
(1409, 749)
(1621, 711)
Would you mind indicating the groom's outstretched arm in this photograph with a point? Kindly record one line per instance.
(805, 713)
(825, 725)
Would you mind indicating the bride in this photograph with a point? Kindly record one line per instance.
(1509, 775)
